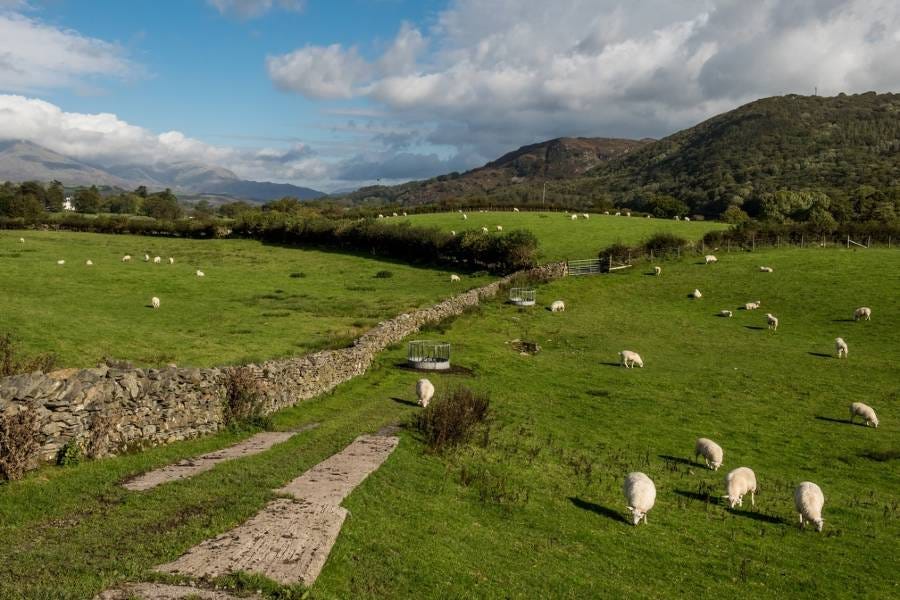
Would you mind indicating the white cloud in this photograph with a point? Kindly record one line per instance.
(318, 72)
(35, 55)
(249, 9)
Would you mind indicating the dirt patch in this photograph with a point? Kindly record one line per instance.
(524, 347)
(453, 370)
(159, 591)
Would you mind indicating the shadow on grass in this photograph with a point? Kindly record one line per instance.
(611, 364)
(406, 402)
(841, 421)
(756, 516)
(679, 460)
(600, 510)
(755, 327)
(843, 320)
(820, 354)
(699, 496)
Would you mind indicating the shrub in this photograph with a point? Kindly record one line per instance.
(18, 443)
(450, 420)
(244, 401)
(13, 363)
(383, 275)
(70, 454)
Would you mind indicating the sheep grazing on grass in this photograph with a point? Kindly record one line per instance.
(393, 214)
(558, 306)
(171, 261)
(712, 453)
(725, 313)
(772, 321)
(738, 483)
(628, 214)
(618, 214)
(452, 232)
(648, 216)
(696, 294)
(709, 258)
(154, 302)
(515, 209)
(424, 391)
(863, 312)
(866, 412)
(640, 493)
(380, 216)
(809, 500)
(60, 262)
(465, 217)
(484, 230)
(146, 258)
(499, 227)
(677, 218)
(606, 212)
(657, 271)
(21, 240)
(200, 273)
(454, 278)
(629, 359)
(574, 217)
(89, 263)
(585, 215)
(688, 219)
(157, 260)
(752, 305)
(840, 346)
(766, 269)
(126, 258)
(404, 214)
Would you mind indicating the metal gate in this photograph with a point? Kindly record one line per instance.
(588, 266)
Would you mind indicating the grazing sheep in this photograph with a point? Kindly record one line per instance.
(648, 216)
(585, 215)
(696, 294)
(154, 302)
(709, 258)
(393, 214)
(766, 269)
(628, 214)
(380, 216)
(772, 321)
(809, 500)
(739, 482)
(200, 273)
(863, 312)
(640, 493)
(866, 412)
(21, 240)
(574, 217)
(459, 210)
(454, 278)
(687, 219)
(89, 263)
(404, 214)
(712, 453)
(515, 209)
(657, 271)
(840, 346)
(146, 258)
(157, 260)
(126, 258)
(605, 212)
(557, 306)
(629, 359)
(677, 218)
(725, 313)
(424, 391)
(171, 261)
(60, 262)
(618, 214)
(452, 232)
(752, 305)
(499, 227)
(484, 230)
(465, 217)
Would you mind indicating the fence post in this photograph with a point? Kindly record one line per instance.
(848, 241)
(869, 241)
(651, 254)
(753, 241)
(889, 242)
(801, 240)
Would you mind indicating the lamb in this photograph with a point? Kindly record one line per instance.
(712, 453)
(809, 500)
(154, 302)
(89, 263)
(725, 313)
(585, 215)
(866, 412)
(696, 294)
(558, 306)
(454, 278)
(657, 271)
(61, 262)
(465, 217)
(484, 230)
(499, 227)
(863, 312)
(629, 359)
(424, 391)
(709, 258)
(640, 493)
(21, 240)
(515, 209)
(840, 346)
(739, 482)
(171, 261)
(157, 260)
(766, 269)
(752, 305)
(126, 258)
(574, 217)
(772, 321)
(200, 273)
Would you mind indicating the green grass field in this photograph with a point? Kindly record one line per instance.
(560, 237)
(533, 508)
(255, 302)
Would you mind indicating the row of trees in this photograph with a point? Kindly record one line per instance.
(32, 200)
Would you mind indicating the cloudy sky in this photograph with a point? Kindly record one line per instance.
(334, 94)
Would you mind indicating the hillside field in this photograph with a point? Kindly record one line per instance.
(559, 237)
(533, 506)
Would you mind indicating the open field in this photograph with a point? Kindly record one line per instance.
(560, 237)
(534, 508)
(255, 302)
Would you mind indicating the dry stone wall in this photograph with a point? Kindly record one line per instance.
(109, 409)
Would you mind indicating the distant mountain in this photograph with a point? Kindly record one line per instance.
(512, 176)
(26, 161)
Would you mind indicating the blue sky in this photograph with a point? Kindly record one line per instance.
(342, 93)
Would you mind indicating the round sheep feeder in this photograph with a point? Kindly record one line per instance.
(427, 355)
(521, 296)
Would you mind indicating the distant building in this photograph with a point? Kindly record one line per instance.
(67, 204)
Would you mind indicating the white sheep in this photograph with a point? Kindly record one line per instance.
(725, 313)
(866, 412)
(648, 216)
(424, 391)
(380, 216)
(629, 359)
(618, 214)
(809, 500)
(840, 346)
(739, 482)
(640, 493)
(709, 258)
(766, 269)
(404, 214)
(171, 261)
(452, 232)
(499, 227)
(585, 215)
(606, 212)
(515, 209)
(21, 240)
(772, 321)
(863, 312)
(628, 214)
(146, 258)
(677, 218)
(393, 214)
(200, 273)
(454, 278)
(657, 271)
(154, 302)
(752, 305)
(712, 453)
(157, 260)
(558, 306)
(61, 262)
(89, 263)
(465, 217)
(484, 230)
(126, 258)
(573, 217)
(687, 219)
(696, 294)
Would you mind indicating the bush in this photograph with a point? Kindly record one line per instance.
(70, 454)
(383, 275)
(18, 443)
(12, 363)
(244, 401)
(450, 420)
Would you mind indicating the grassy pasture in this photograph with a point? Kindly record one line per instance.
(560, 237)
(533, 507)
(255, 302)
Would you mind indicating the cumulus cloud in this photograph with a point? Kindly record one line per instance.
(105, 139)
(250, 9)
(35, 56)
(318, 72)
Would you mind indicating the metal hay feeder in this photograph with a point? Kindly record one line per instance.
(428, 355)
(521, 296)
